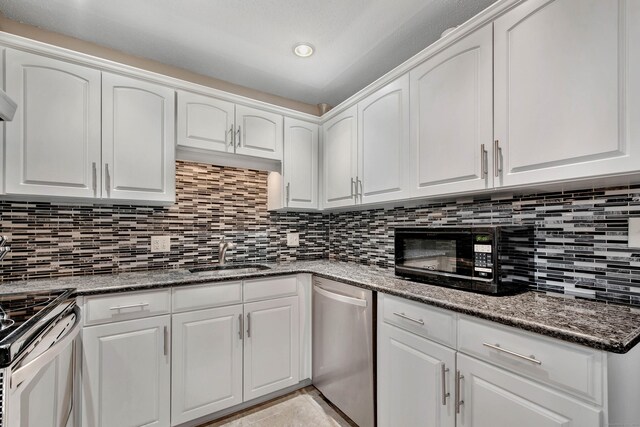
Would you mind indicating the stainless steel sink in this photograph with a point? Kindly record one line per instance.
(230, 269)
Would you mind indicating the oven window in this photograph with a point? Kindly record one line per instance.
(445, 254)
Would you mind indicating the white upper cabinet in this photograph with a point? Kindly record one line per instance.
(340, 159)
(300, 165)
(566, 90)
(138, 149)
(451, 118)
(258, 133)
(204, 122)
(383, 143)
(53, 142)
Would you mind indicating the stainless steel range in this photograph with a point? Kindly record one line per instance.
(38, 333)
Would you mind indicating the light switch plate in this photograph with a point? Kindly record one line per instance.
(293, 239)
(634, 233)
(160, 244)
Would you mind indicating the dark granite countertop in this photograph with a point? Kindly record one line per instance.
(609, 327)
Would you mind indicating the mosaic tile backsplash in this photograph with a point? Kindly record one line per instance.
(212, 202)
(581, 236)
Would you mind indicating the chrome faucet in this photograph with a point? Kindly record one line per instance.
(222, 251)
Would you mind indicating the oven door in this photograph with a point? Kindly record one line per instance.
(41, 384)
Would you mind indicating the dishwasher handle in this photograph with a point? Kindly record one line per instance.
(341, 298)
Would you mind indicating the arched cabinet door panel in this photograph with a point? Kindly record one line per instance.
(451, 118)
(204, 122)
(258, 133)
(53, 143)
(340, 159)
(567, 98)
(300, 164)
(138, 150)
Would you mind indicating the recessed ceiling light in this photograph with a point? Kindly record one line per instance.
(303, 50)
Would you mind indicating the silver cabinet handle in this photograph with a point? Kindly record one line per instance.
(107, 179)
(497, 155)
(357, 180)
(288, 192)
(166, 341)
(240, 326)
(248, 325)
(352, 188)
(94, 173)
(231, 141)
(361, 188)
(459, 401)
(483, 161)
(443, 378)
(121, 307)
(497, 347)
(238, 137)
(404, 316)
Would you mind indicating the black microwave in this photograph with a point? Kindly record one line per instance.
(487, 259)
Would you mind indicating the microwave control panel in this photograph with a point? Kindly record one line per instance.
(483, 256)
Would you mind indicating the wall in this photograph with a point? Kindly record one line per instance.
(77, 45)
(581, 236)
(49, 239)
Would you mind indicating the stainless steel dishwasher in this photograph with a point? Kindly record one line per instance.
(343, 348)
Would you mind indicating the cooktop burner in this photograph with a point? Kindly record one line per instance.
(24, 315)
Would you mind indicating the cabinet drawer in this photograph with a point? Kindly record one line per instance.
(421, 319)
(126, 306)
(206, 295)
(572, 368)
(270, 287)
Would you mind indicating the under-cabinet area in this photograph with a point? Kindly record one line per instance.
(170, 356)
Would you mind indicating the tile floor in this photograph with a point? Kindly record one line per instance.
(301, 408)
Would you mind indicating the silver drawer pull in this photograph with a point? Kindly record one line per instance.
(122, 307)
(404, 316)
(443, 381)
(497, 347)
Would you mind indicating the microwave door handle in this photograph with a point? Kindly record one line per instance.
(30, 369)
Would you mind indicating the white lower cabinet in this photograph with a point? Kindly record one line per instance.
(272, 346)
(206, 368)
(126, 373)
(423, 371)
(422, 383)
(493, 397)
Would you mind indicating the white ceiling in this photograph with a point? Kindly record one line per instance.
(249, 42)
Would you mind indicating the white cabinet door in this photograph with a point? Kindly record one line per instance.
(566, 91)
(206, 367)
(495, 398)
(258, 133)
(383, 143)
(451, 118)
(138, 149)
(410, 387)
(300, 164)
(204, 122)
(126, 374)
(272, 346)
(53, 143)
(340, 159)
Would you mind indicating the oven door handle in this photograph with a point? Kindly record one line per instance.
(30, 369)
(341, 298)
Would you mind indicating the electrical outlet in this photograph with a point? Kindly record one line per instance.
(293, 239)
(634, 233)
(160, 243)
